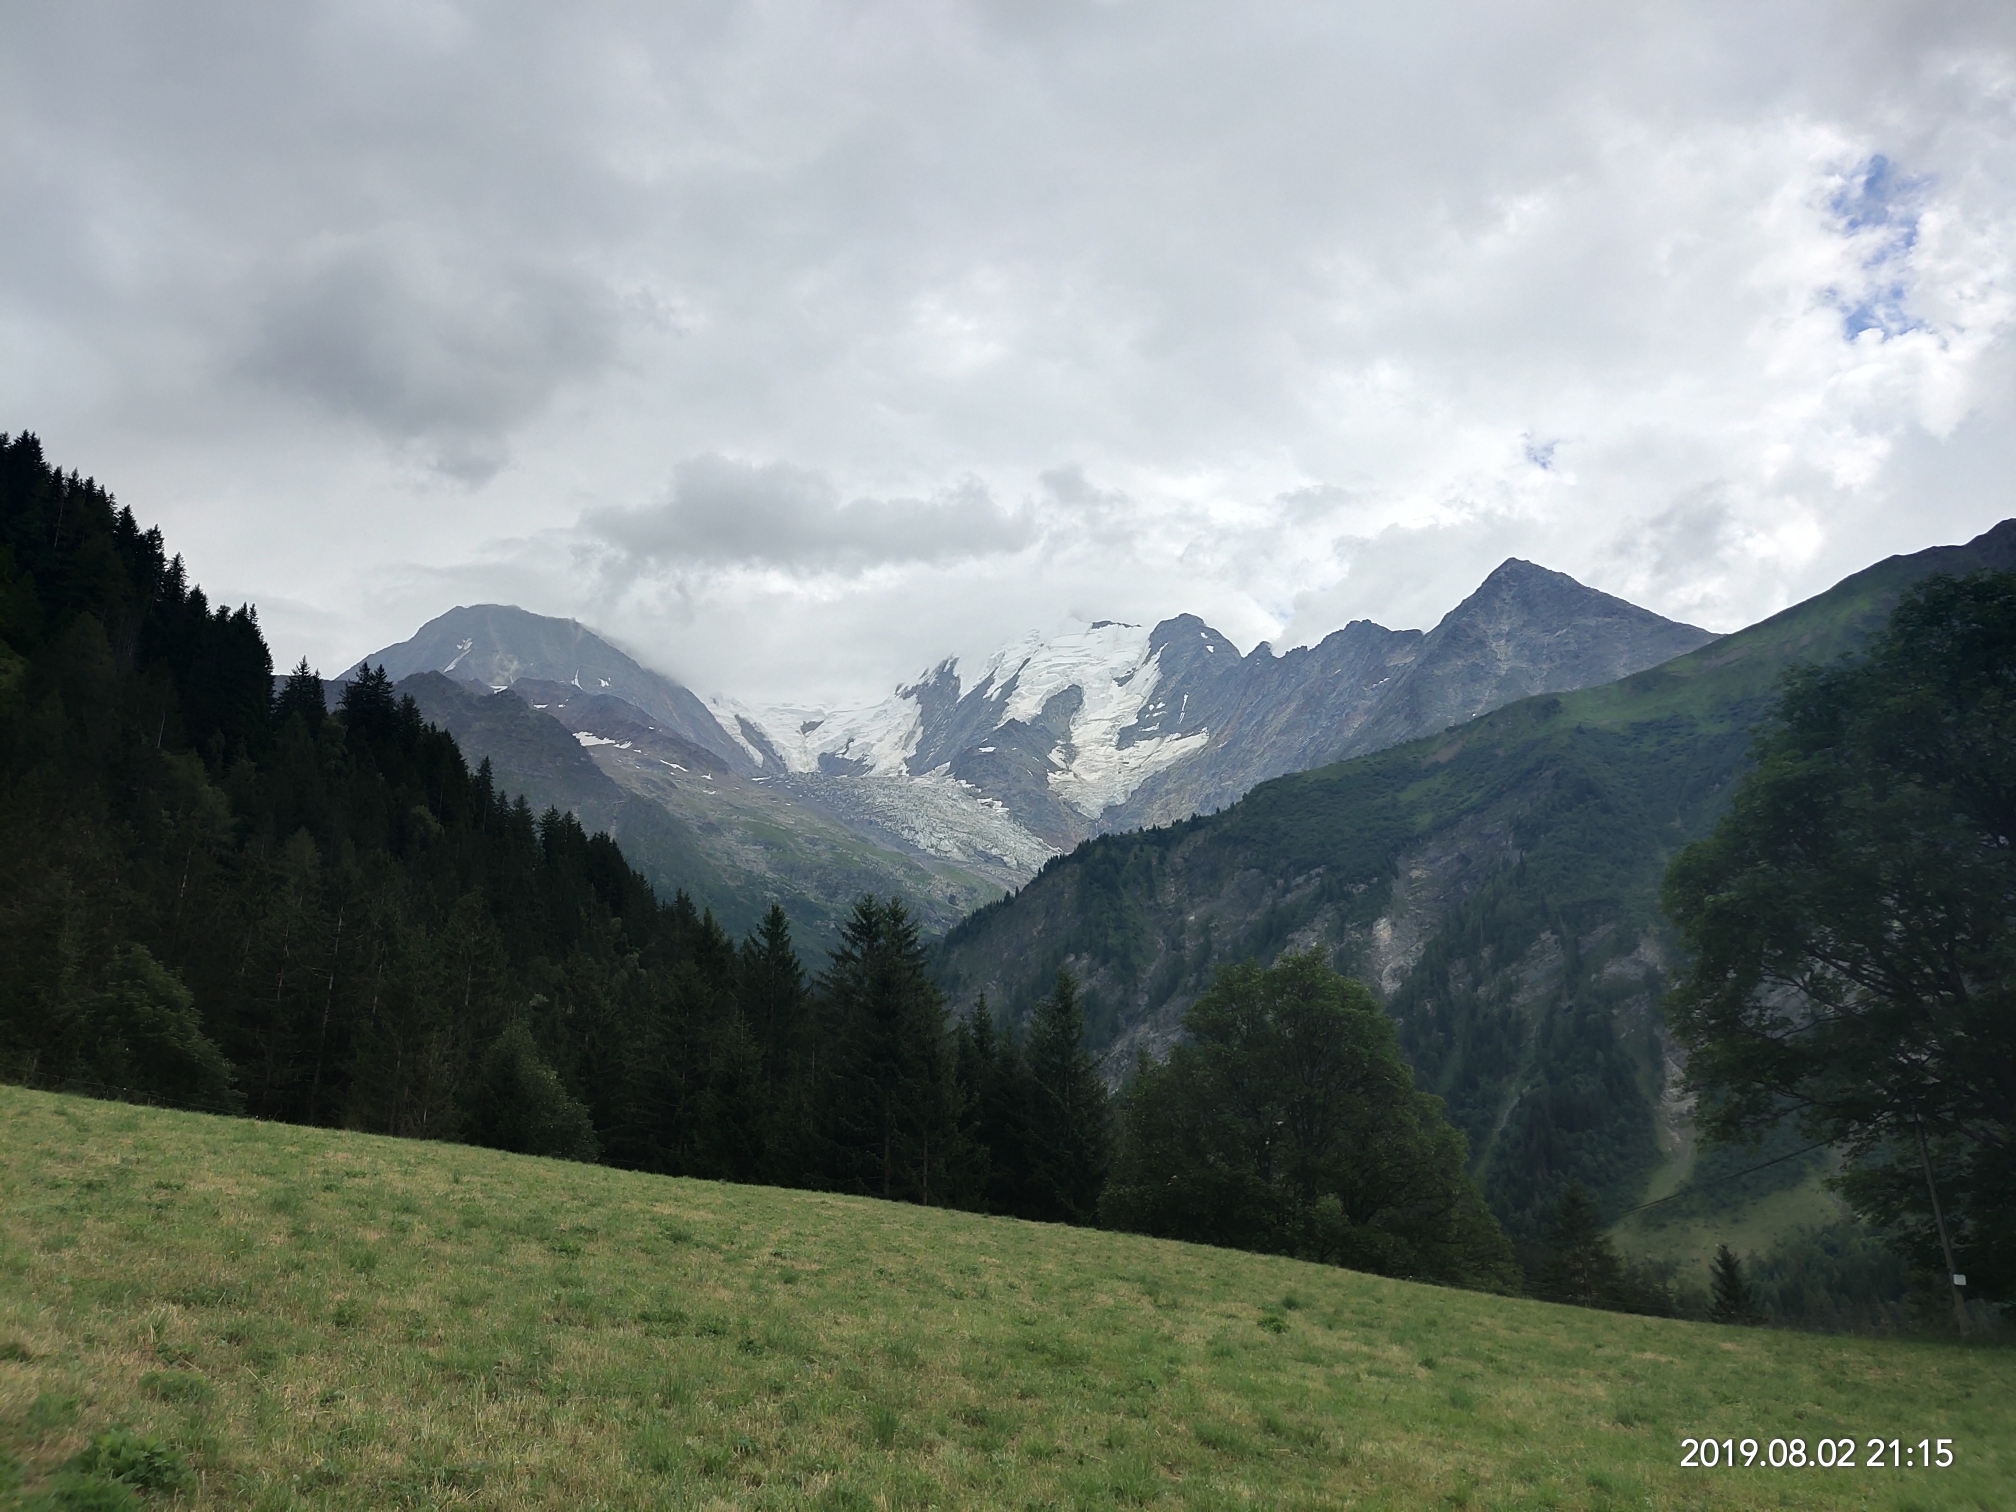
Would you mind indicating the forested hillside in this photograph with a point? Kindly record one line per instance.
(226, 899)
(1497, 885)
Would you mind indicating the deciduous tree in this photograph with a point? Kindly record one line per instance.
(1852, 925)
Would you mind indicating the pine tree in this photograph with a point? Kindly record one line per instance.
(885, 1091)
(1581, 1266)
(737, 1115)
(995, 1102)
(302, 695)
(369, 706)
(773, 995)
(1070, 1117)
(1735, 1299)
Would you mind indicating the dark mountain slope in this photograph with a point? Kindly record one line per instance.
(1497, 884)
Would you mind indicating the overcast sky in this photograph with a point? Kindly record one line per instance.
(798, 345)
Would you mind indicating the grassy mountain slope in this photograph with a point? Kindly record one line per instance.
(329, 1320)
(1497, 884)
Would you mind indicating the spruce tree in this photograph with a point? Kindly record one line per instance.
(302, 695)
(885, 1089)
(1070, 1116)
(1735, 1301)
(737, 1114)
(995, 1105)
(773, 995)
(1581, 1265)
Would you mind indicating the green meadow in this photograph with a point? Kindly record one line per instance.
(320, 1319)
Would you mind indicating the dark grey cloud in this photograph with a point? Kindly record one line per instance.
(448, 356)
(721, 510)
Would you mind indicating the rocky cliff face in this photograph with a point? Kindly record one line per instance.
(1525, 630)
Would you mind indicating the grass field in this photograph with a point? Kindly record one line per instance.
(321, 1319)
(1756, 1226)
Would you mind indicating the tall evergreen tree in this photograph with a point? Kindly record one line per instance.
(1580, 1264)
(1734, 1300)
(885, 1092)
(301, 694)
(996, 1101)
(773, 996)
(1070, 1139)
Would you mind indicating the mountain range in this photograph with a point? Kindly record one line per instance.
(1496, 883)
(960, 785)
(1474, 820)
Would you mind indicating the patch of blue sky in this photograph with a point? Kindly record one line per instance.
(1541, 453)
(1878, 205)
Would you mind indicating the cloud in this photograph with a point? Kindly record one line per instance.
(724, 511)
(1284, 314)
(449, 356)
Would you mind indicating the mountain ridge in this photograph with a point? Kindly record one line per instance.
(950, 791)
(495, 645)
(1116, 727)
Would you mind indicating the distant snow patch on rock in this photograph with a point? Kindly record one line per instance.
(938, 814)
(1100, 776)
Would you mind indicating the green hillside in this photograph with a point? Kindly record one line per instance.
(1497, 885)
(315, 1319)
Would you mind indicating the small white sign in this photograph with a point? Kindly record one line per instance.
(1959, 1280)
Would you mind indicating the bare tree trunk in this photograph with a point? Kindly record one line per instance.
(1946, 1244)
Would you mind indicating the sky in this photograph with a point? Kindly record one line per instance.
(796, 346)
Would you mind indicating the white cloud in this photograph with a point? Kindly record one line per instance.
(801, 345)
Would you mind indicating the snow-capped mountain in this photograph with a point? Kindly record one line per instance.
(979, 775)
(1118, 726)
(1055, 730)
(495, 645)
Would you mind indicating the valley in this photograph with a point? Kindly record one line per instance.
(1497, 883)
